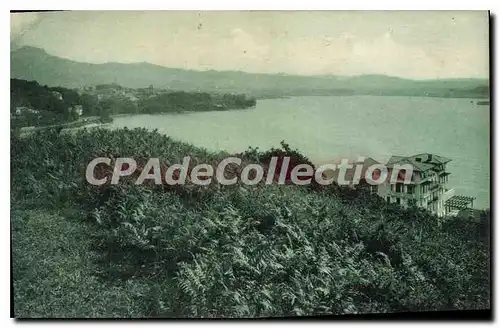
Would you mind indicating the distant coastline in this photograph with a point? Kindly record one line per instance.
(30, 63)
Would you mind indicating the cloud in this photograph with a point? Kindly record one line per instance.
(20, 23)
(245, 43)
(384, 55)
(429, 45)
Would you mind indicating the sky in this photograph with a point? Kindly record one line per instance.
(415, 45)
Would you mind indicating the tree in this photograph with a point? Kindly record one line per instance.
(90, 104)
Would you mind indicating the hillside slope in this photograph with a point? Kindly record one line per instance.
(31, 63)
(234, 251)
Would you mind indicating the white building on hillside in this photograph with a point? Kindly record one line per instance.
(428, 187)
(78, 110)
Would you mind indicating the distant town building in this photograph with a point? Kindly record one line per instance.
(131, 97)
(80, 90)
(57, 94)
(23, 109)
(78, 110)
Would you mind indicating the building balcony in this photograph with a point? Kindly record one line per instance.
(401, 194)
(433, 199)
(425, 180)
(425, 195)
(448, 194)
(428, 179)
(434, 186)
(411, 182)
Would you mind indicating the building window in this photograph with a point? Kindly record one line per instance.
(388, 199)
(398, 187)
(410, 189)
(398, 200)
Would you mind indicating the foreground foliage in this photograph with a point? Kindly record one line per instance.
(240, 251)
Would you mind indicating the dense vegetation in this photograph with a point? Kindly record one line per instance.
(230, 251)
(50, 109)
(30, 93)
(43, 105)
(176, 102)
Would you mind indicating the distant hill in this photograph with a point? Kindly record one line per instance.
(30, 63)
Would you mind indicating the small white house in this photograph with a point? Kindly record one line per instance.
(131, 97)
(58, 95)
(24, 109)
(79, 110)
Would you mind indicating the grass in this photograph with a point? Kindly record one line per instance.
(54, 269)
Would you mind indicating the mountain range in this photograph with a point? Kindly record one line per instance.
(30, 63)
